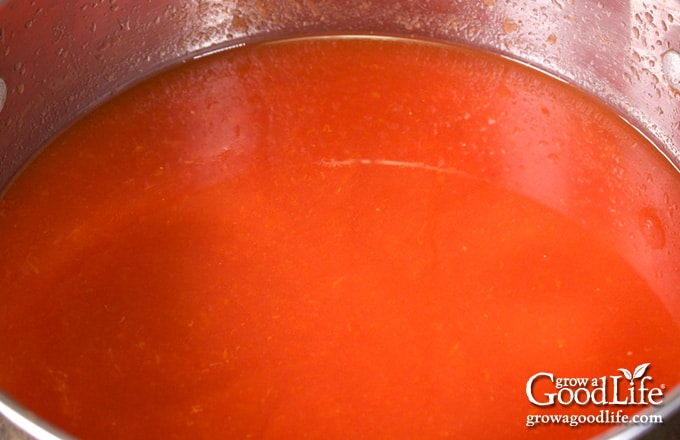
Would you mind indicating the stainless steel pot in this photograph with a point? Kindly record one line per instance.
(60, 58)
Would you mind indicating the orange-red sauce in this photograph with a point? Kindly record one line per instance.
(335, 238)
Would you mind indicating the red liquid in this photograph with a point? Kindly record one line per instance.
(337, 238)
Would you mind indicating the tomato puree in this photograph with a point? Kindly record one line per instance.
(337, 237)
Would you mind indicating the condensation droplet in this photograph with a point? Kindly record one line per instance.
(671, 68)
(20, 68)
(3, 93)
(627, 77)
(509, 26)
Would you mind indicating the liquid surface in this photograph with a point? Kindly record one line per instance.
(335, 238)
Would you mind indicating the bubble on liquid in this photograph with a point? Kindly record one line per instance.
(3, 93)
(554, 157)
(652, 228)
(671, 68)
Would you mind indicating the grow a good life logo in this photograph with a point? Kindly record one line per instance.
(604, 390)
(609, 394)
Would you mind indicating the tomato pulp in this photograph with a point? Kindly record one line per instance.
(336, 237)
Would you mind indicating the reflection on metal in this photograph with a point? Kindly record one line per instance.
(671, 68)
(3, 93)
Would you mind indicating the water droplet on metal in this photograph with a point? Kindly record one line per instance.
(20, 67)
(671, 68)
(3, 93)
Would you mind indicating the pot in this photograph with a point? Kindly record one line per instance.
(60, 59)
